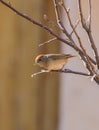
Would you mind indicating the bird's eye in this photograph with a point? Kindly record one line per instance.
(40, 59)
(43, 59)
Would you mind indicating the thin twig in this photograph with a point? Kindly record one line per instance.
(59, 21)
(88, 30)
(50, 21)
(81, 15)
(36, 23)
(68, 15)
(91, 37)
(61, 71)
(71, 71)
(89, 65)
(68, 42)
(78, 21)
(40, 72)
(50, 40)
(89, 18)
(94, 48)
(58, 17)
(56, 4)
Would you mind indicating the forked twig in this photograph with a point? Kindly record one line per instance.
(87, 27)
(59, 21)
(74, 28)
(58, 17)
(69, 41)
(88, 63)
(50, 21)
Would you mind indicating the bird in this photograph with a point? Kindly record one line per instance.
(52, 62)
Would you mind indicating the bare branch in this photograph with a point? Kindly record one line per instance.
(40, 72)
(69, 42)
(81, 15)
(91, 37)
(50, 21)
(71, 71)
(88, 30)
(89, 17)
(46, 28)
(89, 65)
(59, 21)
(61, 71)
(68, 15)
(58, 17)
(75, 27)
(94, 49)
(37, 23)
(50, 40)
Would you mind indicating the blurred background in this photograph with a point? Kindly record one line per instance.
(26, 103)
(49, 101)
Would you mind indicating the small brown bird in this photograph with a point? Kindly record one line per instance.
(52, 61)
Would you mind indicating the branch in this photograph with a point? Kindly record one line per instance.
(61, 71)
(68, 42)
(89, 17)
(94, 49)
(50, 21)
(58, 17)
(50, 40)
(94, 77)
(25, 16)
(48, 29)
(59, 21)
(89, 65)
(71, 71)
(87, 27)
(68, 16)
